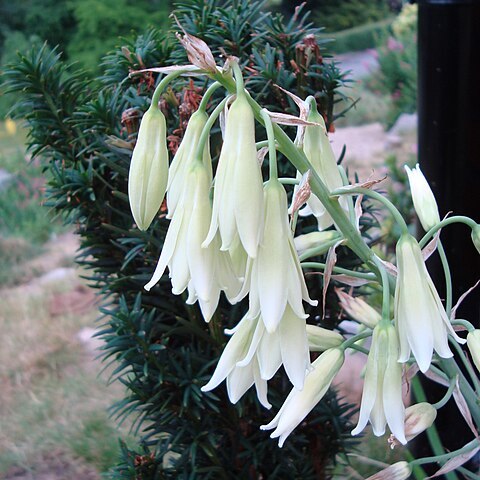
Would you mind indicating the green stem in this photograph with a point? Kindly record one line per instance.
(204, 136)
(448, 278)
(351, 206)
(448, 221)
(447, 456)
(372, 193)
(348, 343)
(163, 84)
(466, 363)
(344, 271)
(464, 323)
(359, 349)
(263, 143)
(432, 433)
(385, 292)
(319, 250)
(240, 87)
(288, 181)
(447, 395)
(272, 149)
(207, 95)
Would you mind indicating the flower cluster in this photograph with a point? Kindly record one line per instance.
(241, 243)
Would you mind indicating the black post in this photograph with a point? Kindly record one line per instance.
(449, 154)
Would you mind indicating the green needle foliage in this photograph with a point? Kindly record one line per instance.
(84, 132)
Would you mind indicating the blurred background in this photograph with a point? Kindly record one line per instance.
(51, 393)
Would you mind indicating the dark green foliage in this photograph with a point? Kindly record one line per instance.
(162, 350)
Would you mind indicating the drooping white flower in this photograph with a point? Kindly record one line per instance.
(253, 356)
(183, 158)
(300, 403)
(318, 150)
(205, 271)
(420, 317)
(274, 278)
(238, 190)
(382, 402)
(148, 174)
(423, 198)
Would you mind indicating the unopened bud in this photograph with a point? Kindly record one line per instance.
(147, 179)
(321, 339)
(418, 418)
(397, 471)
(476, 237)
(423, 198)
(473, 343)
(315, 240)
(358, 309)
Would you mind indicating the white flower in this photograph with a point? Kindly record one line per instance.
(183, 158)
(318, 150)
(321, 339)
(382, 391)
(299, 403)
(253, 356)
(274, 278)
(238, 194)
(358, 309)
(147, 178)
(397, 471)
(420, 318)
(423, 198)
(205, 271)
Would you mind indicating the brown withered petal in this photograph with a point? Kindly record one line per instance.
(198, 52)
(302, 193)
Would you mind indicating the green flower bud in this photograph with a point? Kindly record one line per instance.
(473, 343)
(321, 339)
(476, 237)
(147, 179)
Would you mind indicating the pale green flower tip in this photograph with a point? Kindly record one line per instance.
(315, 240)
(476, 237)
(423, 198)
(398, 471)
(321, 339)
(473, 343)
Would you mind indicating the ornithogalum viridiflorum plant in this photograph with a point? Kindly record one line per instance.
(233, 232)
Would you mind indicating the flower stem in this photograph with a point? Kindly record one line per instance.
(351, 208)
(320, 250)
(163, 84)
(447, 395)
(372, 193)
(349, 343)
(207, 95)
(204, 136)
(448, 278)
(343, 271)
(239, 85)
(272, 149)
(448, 221)
(385, 291)
(466, 363)
(464, 323)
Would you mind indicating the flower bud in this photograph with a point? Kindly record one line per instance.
(315, 240)
(397, 471)
(321, 339)
(358, 309)
(418, 418)
(423, 198)
(476, 237)
(473, 343)
(147, 179)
